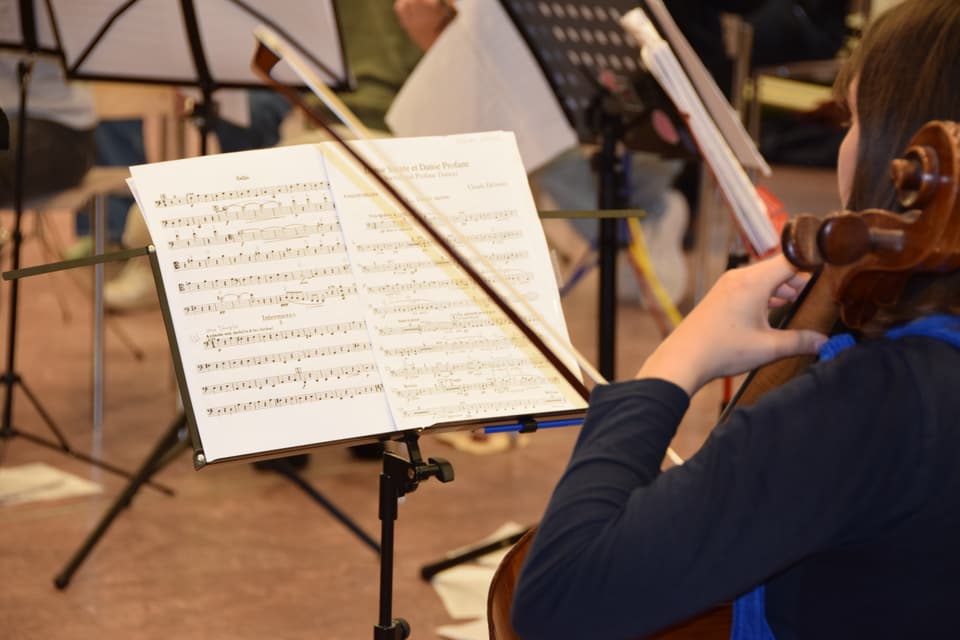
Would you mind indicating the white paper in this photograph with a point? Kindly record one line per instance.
(747, 207)
(479, 76)
(148, 40)
(474, 630)
(428, 321)
(270, 329)
(298, 293)
(38, 481)
(720, 110)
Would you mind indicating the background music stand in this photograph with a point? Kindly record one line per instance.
(591, 64)
(35, 38)
(165, 43)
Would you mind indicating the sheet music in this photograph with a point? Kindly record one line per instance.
(721, 111)
(308, 310)
(270, 329)
(446, 352)
(747, 207)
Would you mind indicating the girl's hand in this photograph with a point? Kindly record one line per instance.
(729, 332)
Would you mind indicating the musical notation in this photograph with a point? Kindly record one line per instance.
(305, 377)
(495, 237)
(302, 398)
(265, 278)
(273, 255)
(457, 324)
(486, 216)
(490, 237)
(421, 306)
(284, 357)
(403, 268)
(248, 212)
(448, 369)
(233, 301)
(219, 342)
(446, 283)
(484, 408)
(410, 268)
(446, 346)
(389, 222)
(190, 199)
(496, 385)
(266, 234)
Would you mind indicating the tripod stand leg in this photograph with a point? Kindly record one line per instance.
(169, 443)
(285, 469)
(43, 414)
(64, 446)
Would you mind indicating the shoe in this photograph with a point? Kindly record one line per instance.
(133, 289)
(663, 237)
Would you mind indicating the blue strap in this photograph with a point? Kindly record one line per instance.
(749, 610)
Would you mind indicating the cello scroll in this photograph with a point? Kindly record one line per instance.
(874, 252)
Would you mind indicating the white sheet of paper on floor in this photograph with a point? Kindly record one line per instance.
(38, 481)
(473, 630)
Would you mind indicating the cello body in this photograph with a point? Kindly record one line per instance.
(710, 625)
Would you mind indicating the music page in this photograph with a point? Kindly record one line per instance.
(262, 297)
(445, 351)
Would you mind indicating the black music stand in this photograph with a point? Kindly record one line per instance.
(144, 42)
(35, 39)
(592, 66)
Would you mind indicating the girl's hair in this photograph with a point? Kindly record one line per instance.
(908, 73)
(907, 70)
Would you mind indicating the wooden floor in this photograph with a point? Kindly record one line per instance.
(240, 553)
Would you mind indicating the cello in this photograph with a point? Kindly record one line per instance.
(863, 260)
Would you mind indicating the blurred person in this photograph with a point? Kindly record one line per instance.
(59, 146)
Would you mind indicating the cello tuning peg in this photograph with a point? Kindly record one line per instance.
(916, 175)
(845, 238)
(799, 242)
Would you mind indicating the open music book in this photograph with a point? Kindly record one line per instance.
(307, 309)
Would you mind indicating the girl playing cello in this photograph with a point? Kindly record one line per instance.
(830, 507)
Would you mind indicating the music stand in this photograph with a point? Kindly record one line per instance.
(30, 33)
(591, 64)
(190, 43)
(166, 43)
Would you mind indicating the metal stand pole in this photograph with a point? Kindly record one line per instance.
(399, 477)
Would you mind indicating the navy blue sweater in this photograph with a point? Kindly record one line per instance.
(840, 491)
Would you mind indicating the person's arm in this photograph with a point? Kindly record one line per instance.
(424, 20)
(627, 547)
(624, 550)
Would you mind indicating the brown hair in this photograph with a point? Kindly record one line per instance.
(908, 73)
(908, 67)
